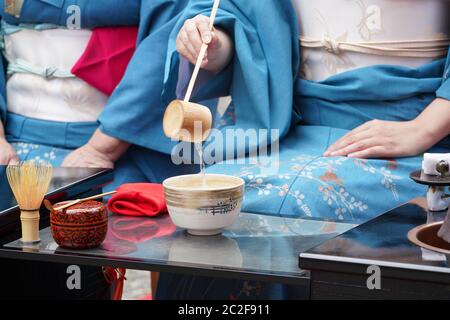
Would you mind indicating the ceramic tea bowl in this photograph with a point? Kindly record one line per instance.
(204, 205)
(427, 237)
(81, 226)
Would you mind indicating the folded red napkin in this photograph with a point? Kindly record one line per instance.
(106, 57)
(138, 199)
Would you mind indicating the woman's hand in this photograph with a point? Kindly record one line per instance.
(8, 154)
(88, 157)
(382, 139)
(102, 151)
(389, 139)
(194, 33)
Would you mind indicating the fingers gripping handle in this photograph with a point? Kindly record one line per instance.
(201, 55)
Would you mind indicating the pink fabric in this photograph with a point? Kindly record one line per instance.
(106, 57)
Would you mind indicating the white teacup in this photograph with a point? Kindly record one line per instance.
(204, 204)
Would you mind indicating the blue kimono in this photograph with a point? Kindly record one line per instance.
(30, 137)
(266, 94)
(262, 80)
(310, 116)
(96, 13)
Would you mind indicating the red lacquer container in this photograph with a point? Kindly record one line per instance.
(81, 226)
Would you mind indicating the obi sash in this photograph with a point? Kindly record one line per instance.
(57, 134)
(46, 14)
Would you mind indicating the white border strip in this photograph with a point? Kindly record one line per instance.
(375, 262)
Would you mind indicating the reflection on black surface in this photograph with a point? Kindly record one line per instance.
(124, 233)
(384, 239)
(137, 230)
(6, 197)
(222, 250)
(254, 244)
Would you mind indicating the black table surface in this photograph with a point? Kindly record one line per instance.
(66, 184)
(383, 242)
(256, 247)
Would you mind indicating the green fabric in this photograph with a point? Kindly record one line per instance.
(22, 66)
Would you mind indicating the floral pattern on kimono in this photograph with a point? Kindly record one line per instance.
(303, 183)
(36, 152)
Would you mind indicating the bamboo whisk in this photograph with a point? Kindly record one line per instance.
(29, 182)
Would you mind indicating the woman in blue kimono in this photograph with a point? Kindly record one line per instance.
(64, 120)
(351, 133)
(48, 114)
(361, 110)
(35, 124)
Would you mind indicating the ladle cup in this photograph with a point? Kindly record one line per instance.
(187, 121)
(184, 120)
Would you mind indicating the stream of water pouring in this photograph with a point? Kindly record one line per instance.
(199, 150)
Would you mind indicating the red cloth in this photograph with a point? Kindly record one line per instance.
(138, 230)
(106, 57)
(138, 199)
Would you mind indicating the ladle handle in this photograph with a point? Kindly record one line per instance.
(201, 55)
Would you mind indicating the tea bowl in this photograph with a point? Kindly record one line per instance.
(81, 226)
(204, 204)
(426, 236)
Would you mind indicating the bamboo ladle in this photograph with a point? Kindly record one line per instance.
(184, 120)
